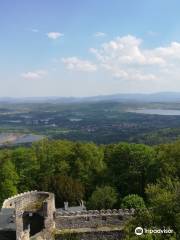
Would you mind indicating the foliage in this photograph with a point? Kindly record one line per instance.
(130, 167)
(88, 164)
(67, 189)
(164, 200)
(103, 198)
(105, 176)
(133, 201)
(8, 177)
(27, 167)
(163, 212)
(168, 156)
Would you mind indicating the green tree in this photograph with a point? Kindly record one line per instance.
(52, 157)
(168, 163)
(67, 189)
(103, 198)
(163, 211)
(130, 167)
(133, 201)
(27, 167)
(8, 177)
(88, 165)
(164, 200)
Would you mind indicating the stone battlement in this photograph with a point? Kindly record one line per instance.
(101, 212)
(25, 198)
(10, 202)
(33, 213)
(92, 219)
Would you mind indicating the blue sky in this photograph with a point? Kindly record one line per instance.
(85, 48)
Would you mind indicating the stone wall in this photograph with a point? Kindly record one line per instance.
(24, 199)
(92, 219)
(33, 201)
(89, 225)
(108, 235)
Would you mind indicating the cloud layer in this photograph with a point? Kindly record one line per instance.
(54, 35)
(77, 64)
(125, 58)
(34, 75)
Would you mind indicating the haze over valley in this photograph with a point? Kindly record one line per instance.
(139, 118)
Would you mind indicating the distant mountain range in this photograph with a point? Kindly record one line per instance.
(122, 97)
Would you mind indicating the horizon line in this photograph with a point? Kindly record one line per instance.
(91, 96)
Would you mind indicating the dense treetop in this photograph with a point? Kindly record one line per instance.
(105, 176)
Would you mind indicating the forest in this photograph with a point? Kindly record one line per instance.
(121, 175)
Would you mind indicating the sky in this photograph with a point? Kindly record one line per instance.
(87, 48)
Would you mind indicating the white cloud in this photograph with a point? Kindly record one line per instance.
(54, 35)
(125, 58)
(100, 34)
(74, 63)
(34, 75)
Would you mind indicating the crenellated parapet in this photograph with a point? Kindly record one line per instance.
(29, 206)
(92, 219)
(96, 212)
(10, 202)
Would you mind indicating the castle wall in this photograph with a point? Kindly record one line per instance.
(89, 225)
(31, 202)
(110, 235)
(24, 199)
(92, 219)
